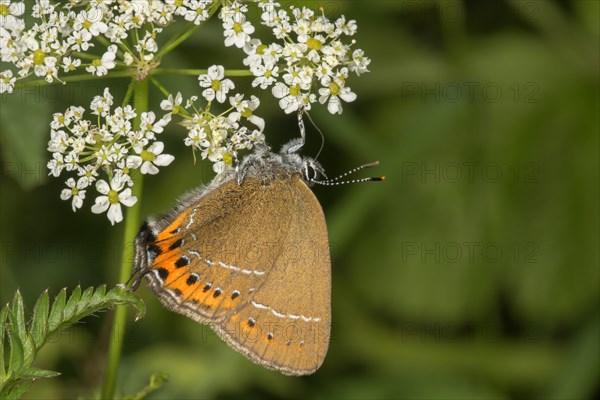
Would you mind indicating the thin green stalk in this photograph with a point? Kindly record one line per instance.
(132, 223)
(176, 71)
(182, 37)
(130, 92)
(159, 86)
(74, 78)
(176, 42)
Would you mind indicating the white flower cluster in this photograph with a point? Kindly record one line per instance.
(109, 145)
(311, 55)
(61, 31)
(219, 137)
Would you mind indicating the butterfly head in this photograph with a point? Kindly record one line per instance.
(287, 162)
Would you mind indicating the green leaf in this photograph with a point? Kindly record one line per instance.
(124, 296)
(3, 317)
(18, 314)
(86, 296)
(35, 373)
(56, 312)
(17, 320)
(98, 294)
(16, 347)
(39, 324)
(99, 300)
(72, 303)
(46, 321)
(17, 390)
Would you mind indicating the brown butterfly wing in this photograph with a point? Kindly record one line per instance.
(286, 326)
(252, 260)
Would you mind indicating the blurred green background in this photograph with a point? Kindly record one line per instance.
(472, 272)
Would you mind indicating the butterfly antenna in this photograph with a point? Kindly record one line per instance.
(336, 181)
(301, 126)
(320, 133)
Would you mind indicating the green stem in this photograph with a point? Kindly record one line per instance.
(182, 37)
(74, 78)
(86, 56)
(176, 42)
(159, 86)
(132, 224)
(175, 71)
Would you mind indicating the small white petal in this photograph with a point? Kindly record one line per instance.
(126, 198)
(65, 194)
(133, 162)
(166, 105)
(347, 96)
(258, 121)
(149, 168)
(280, 90)
(163, 160)
(216, 72)
(234, 117)
(115, 214)
(101, 205)
(208, 94)
(166, 119)
(77, 203)
(156, 148)
(221, 96)
(118, 182)
(334, 106)
(82, 183)
(102, 187)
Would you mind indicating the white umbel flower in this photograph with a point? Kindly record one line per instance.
(335, 91)
(150, 158)
(111, 199)
(74, 191)
(237, 31)
(216, 86)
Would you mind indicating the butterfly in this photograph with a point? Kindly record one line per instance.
(248, 255)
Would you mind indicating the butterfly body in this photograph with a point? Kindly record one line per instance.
(248, 255)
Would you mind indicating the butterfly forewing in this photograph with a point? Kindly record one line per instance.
(286, 325)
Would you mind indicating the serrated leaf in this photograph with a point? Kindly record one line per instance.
(39, 323)
(17, 321)
(3, 317)
(98, 301)
(17, 317)
(98, 295)
(16, 347)
(35, 373)
(86, 296)
(124, 296)
(72, 303)
(28, 349)
(46, 321)
(56, 312)
(17, 390)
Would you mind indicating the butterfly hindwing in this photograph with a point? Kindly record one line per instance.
(206, 262)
